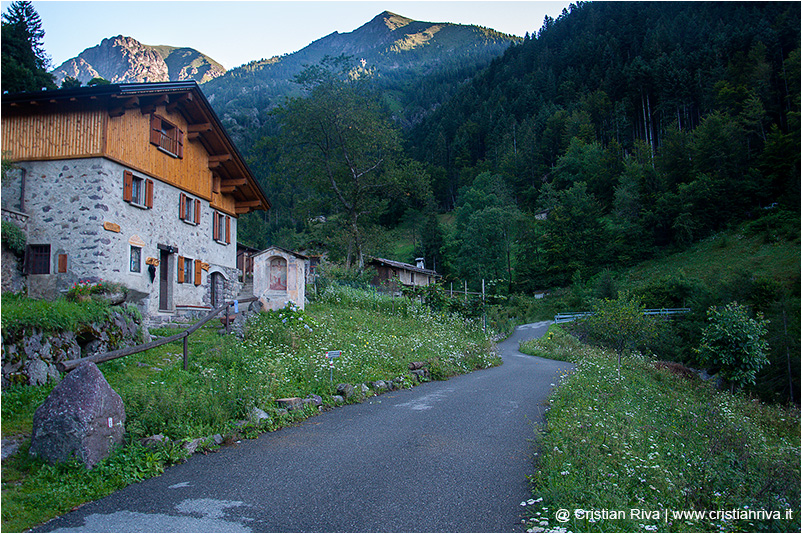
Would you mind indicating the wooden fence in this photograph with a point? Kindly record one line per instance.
(69, 365)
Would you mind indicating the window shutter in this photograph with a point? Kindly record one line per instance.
(155, 129)
(197, 211)
(180, 269)
(198, 272)
(128, 186)
(228, 229)
(148, 194)
(182, 207)
(215, 226)
(62, 263)
(180, 140)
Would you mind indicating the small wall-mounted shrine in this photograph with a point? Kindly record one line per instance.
(279, 276)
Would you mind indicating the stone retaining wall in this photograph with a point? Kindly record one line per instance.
(31, 358)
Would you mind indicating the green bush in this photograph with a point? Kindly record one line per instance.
(733, 342)
(619, 324)
(13, 238)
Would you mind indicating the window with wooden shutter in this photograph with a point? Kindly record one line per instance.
(137, 190)
(166, 136)
(182, 206)
(189, 209)
(198, 267)
(155, 129)
(62, 263)
(149, 194)
(188, 271)
(180, 269)
(128, 186)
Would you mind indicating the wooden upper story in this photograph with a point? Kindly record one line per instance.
(165, 130)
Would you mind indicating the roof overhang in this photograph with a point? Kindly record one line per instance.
(186, 98)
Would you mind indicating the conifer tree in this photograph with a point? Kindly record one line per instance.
(24, 61)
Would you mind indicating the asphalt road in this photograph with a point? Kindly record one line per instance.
(447, 456)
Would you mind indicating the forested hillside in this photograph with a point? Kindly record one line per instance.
(635, 126)
(417, 64)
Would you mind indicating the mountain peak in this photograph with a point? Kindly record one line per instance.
(392, 21)
(123, 59)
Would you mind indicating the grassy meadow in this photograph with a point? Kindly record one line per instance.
(280, 356)
(654, 449)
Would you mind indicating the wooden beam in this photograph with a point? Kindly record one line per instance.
(194, 131)
(234, 181)
(220, 158)
(147, 109)
(248, 204)
(200, 127)
(239, 210)
(187, 97)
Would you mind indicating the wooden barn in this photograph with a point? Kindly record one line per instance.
(390, 273)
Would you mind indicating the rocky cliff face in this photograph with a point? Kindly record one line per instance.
(125, 60)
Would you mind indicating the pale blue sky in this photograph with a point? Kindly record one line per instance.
(234, 33)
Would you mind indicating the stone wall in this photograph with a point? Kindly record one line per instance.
(30, 357)
(77, 207)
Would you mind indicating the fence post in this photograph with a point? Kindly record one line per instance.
(484, 311)
(186, 352)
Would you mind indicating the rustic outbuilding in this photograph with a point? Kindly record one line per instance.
(279, 277)
(392, 274)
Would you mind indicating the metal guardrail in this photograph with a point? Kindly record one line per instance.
(572, 316)
(69, 365)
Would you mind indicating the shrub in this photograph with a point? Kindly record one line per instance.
(87, 288)
(14, 238)
(734, 343)
(619, 324)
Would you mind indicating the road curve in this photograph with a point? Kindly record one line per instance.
(448, 456)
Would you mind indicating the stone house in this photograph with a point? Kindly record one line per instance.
(279, 276)
(390, 273)
(132, 183)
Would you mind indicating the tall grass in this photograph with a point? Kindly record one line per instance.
(281, 356)
(651, 445)
(21, 313)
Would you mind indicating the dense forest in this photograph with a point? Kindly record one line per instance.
(616, 131)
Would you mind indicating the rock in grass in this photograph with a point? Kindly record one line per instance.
(346, 391)
(257, 415)
(315, 400)
(82, 417)
(291, 403)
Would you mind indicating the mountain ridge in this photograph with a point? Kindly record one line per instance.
(123, 59)
(394, 48)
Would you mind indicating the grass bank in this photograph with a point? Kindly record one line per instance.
(651, 450)
(281, 356)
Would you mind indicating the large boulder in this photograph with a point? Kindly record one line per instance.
(83, 417)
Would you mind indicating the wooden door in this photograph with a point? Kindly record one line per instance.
(164, 280)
